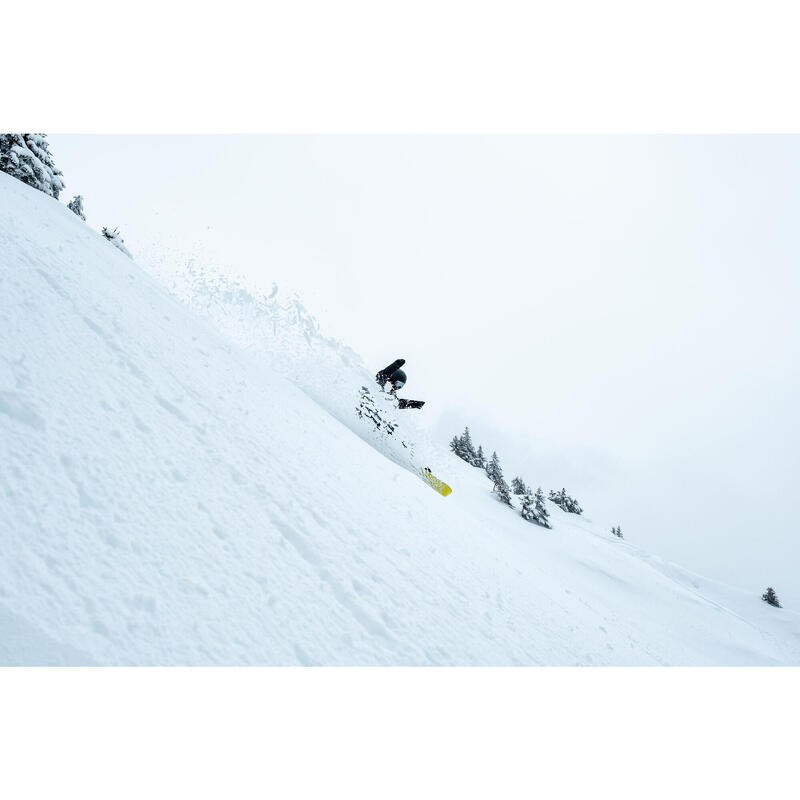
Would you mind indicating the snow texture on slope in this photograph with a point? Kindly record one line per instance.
(182, 485)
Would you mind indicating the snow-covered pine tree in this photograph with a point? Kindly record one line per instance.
(455, 444)
(467, 450)
(533, 509)
(503, 492)
(518, 486)
(770, 597)
(480, 458)
(493, 464)
(26, 157)
(76, 206)
(618, 533)
(495, 472)
(117, 240)
(528, 510)
(565, 502)
(541, 508)
(558, 498)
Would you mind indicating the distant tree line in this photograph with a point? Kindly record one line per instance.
(462, 446)
(533, 507)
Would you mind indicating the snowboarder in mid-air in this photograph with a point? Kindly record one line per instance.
(397, 378)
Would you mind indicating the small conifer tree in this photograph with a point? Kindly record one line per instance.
(541, 508)
(533, 508)
(503, 492)
(116, 239)
(493, 466)
(528, 510)
(462, 446)
(76, 206)
(565, 502)
(518, 486)
(770, 597)
(495, 472)
(467, 449)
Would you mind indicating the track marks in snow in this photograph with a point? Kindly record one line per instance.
(173, 409)
(21, 410)
(297, 541)
(84, 498)
(53, 284)
(107, 339)
(142, 602)
(344, 598)
(216, 529)
(303, 657)
(372, 626)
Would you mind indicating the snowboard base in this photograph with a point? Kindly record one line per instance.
(434, 482)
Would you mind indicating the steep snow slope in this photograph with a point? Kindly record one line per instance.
(282, 335)
(168, 496)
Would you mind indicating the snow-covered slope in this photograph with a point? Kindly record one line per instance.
(186, 488)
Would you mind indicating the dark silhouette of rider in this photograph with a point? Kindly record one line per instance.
(392, 375)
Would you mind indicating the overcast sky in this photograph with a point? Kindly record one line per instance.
(617, 315)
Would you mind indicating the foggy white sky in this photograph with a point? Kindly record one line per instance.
(617, 315)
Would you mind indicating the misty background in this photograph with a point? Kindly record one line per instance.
(612, 314)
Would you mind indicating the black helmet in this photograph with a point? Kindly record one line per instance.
(398, 379)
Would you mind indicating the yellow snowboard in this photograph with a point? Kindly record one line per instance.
(434, 482)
